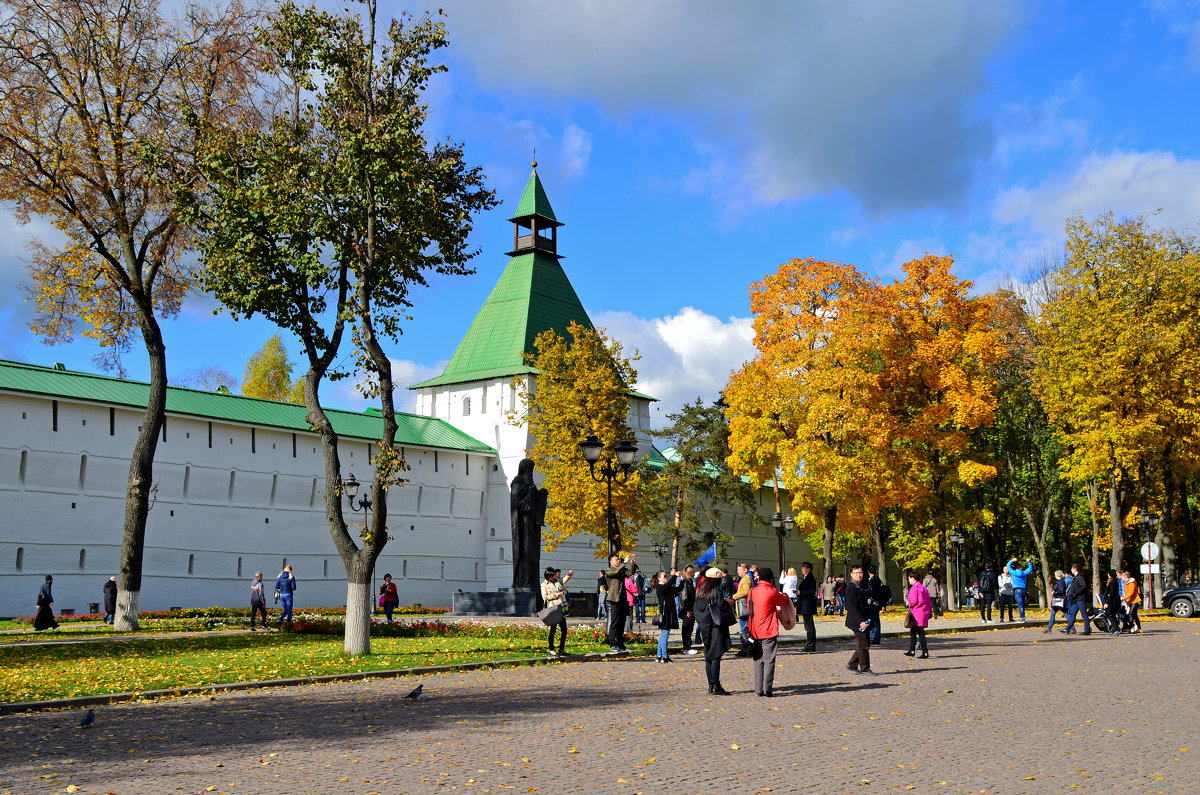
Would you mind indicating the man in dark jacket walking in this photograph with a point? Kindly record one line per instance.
(618, 605)
(687, 603)
(1077, 602)
(987, 593)
(806, 602)
(858, 621)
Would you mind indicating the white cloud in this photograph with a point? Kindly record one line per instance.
(346, 394)
(683, 356)
(878, 99)
(1128, 183)
(909, 250)
(576, 149)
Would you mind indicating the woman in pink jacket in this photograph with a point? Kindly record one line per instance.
(922, 610)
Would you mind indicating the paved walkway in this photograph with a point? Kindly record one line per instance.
(997, 712)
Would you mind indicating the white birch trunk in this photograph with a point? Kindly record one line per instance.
(126, 618)
(358, 618)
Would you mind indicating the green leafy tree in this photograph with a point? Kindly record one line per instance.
(582, 388)
(324, 218)
(94, 96)
(698, 479)
(269, 374)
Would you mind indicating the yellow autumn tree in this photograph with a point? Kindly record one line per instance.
(582, 388)
(1116, 366)
(269, 374)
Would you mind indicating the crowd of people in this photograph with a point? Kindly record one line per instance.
(709, 605)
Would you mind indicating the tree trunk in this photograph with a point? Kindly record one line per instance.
(827, 541)
(1039, 541)
(141, 476)
(679, 495)
(1118, 499)
(359, 599)
(877, 545)
(1093, 500)
(1189, 527)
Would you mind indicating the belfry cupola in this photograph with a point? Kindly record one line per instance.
(534, 226)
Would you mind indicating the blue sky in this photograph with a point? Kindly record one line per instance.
(691, 147)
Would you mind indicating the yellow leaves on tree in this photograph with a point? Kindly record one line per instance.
(582, 388)
(269, 374)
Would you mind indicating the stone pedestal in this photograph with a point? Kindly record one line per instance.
(505, 602)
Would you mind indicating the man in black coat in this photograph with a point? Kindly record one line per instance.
(858, 621)
(806, 599)
(110, 600)
(687, 602)
(874, 603)
(987, 593)
(1077, 602)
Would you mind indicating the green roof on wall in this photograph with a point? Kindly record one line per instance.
(414, 430)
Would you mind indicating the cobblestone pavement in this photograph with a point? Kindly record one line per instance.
(1005, 712)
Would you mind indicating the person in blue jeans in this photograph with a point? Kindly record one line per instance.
(639, 598)
(1019, 578)
(286, 585)
(1077, 603)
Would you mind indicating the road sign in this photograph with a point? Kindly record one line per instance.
(1151, 568)
(1150, 551)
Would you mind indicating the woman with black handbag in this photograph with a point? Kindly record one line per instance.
(554, 597)
(714, 614)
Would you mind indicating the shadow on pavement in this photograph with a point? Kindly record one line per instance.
(835, 687)
(204, 725)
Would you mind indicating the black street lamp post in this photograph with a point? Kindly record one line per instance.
(626, 452)
(783, 529)
(660, 550)
(350, 486)
(957, 540)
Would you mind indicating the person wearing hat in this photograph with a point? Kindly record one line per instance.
(110, 600)
(987, 593)
(713, 630)
(45, 601)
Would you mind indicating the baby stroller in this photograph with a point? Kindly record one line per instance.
(1103, 622)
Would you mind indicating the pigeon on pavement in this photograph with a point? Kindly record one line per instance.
(416, 693)
(88, 719)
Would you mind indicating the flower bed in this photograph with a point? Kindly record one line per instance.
(224, 615)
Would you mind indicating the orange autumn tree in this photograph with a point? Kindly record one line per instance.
(95, 98)
(934, 347)
(793, 410)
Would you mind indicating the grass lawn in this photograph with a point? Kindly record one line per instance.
(34, 673)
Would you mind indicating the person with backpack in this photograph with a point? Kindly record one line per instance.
(987, 593)
(640, 586)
